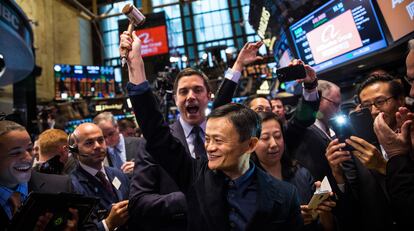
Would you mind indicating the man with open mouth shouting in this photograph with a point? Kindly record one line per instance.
(225, 191)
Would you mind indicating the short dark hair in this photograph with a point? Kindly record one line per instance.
(249, 99)
(244, 119)
(396, 89)
(188, 72)
(126, 123)
(7, 126)
(289, 165)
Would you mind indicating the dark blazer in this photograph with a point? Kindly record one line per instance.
(370, 206)
(277, 202)
(86, 184)
(310, 152)
(43, 183)
(400, 185)
(132, 144)
(156, 203)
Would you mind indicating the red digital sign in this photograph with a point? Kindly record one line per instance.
(154, 41)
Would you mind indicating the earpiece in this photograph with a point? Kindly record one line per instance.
(73, 148)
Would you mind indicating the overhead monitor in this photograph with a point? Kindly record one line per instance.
(399, 17)
(77, 81)
(336, 33)
(281, 51)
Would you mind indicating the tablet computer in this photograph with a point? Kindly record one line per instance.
(38, 204)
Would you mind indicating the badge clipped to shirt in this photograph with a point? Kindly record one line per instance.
(116, 183)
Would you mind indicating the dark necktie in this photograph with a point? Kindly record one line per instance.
(15, 202)
(108, 187)
(199, 149)
(116, 158)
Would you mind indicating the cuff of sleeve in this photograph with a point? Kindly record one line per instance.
(310, 95)
(232, 75)
(310, 86)
(137, 89)
(104, 225)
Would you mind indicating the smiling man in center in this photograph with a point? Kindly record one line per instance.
(227, 191)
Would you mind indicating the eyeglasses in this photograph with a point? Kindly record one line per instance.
(409, 80)
(331, 101)
(377, 103)
(262, 109)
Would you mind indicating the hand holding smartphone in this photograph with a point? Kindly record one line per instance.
(291, 73)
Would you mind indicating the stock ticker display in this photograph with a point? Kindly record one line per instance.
(75, 81)
(337, 32)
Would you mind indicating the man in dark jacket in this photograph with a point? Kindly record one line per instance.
(227, 192)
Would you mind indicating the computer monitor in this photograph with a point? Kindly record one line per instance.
(336, 33)
(77, 81)
(399, 17)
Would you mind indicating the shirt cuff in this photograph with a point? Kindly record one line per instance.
(341, 187)
(232, 75)
(310, 95)
(137, 89)
(104, 225)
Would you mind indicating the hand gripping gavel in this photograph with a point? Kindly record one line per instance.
(136, 18)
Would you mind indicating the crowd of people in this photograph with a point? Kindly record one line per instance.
(241, 167)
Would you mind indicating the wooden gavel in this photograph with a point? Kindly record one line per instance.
(136, 18)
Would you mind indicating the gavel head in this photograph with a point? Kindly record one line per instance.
(133, 14)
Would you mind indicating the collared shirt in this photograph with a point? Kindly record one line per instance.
(93, 171)
(5, 194)
(190, 137)
(241, 197)
(121, 147)
(318, 123)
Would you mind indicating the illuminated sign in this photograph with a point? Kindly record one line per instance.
(154, 41)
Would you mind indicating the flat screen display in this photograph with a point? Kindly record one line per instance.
(154, 40)
(281, 51)
(399, 17)
(337, 32)
(76, 81)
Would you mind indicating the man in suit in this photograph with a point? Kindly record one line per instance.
(91, 178)
(156, 203)
(311, 144)
(121, 149)
(399, 147)
(227, 191)
(17, 179)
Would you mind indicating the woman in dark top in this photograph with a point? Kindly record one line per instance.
(271, 155)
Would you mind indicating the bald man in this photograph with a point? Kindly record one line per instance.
(91, 178)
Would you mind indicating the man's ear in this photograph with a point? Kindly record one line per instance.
(175, 98)
(252, 144)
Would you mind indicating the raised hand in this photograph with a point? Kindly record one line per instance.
(135, 62)
(310, 72)
(247, 55)
(393, 143)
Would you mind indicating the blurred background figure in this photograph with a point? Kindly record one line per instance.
(53, 152)
(128, 128)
